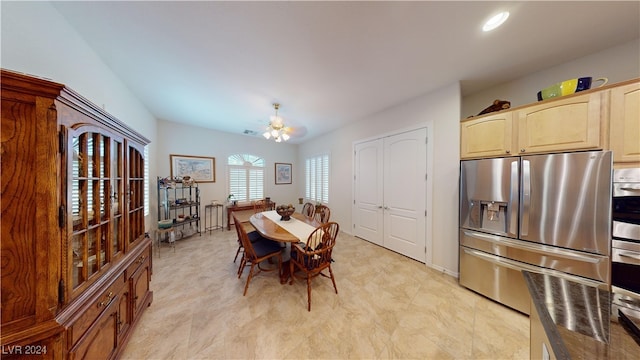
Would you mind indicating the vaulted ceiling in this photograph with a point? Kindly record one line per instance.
(221, 65)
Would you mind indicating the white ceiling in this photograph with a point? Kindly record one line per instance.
(221, 65)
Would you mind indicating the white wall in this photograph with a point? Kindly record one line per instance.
(37, 40)
(178, 139)
(618, 63)
(439, 112)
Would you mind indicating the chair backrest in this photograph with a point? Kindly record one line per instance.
(308, 210)
(259, 206)
(320, 245)
(249, 252)
(322, 214)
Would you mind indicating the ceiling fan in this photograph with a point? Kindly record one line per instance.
(279, 131)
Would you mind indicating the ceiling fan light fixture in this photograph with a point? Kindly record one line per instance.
(276, 128)
(496, 21)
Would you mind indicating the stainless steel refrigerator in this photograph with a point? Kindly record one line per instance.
(542, 213)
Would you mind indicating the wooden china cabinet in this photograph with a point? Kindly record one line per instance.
(76, 263)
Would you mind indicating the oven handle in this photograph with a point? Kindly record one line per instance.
(630, 188)
(628, 254)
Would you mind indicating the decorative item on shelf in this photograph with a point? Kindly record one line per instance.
(167, 182)
(285, 211)
(276, 128)
(569, 87)
(165, 224)
(496, 106)
(188, 181)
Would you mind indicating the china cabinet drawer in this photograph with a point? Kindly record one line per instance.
(138, 262)
(100, 342)
(98, 306)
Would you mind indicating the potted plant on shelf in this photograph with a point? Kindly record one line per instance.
(231, 200)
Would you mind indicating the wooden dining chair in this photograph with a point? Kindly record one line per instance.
(259, 206)
(322, 213)
(252, 235)
(255, 253)
(308, 210)
(315, 256)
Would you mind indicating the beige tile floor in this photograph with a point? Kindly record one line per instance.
(387, 307)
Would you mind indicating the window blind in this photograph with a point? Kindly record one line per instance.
(246, 177)
(317, 179)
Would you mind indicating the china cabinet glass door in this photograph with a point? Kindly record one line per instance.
(94, 209)
(135, 194)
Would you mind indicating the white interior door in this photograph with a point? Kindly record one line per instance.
(367, 213)
(405, 186)
(390, 192)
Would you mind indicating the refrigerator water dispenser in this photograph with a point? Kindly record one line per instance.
(488, 215)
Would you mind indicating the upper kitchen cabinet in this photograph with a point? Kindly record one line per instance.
(488, 136)
(625, 123)
(576, 122)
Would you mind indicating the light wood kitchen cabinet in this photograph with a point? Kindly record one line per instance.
(72, 223)
(488, 136)
(625, 124)
(565, 124)
(571, 123)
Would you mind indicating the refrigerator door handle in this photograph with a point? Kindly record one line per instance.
(513, 200)
(526, 197)
(539, 249)
(515, 265)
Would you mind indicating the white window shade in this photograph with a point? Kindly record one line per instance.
(246, 177)
(317, 179)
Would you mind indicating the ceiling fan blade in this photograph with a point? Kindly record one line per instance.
(297, 131)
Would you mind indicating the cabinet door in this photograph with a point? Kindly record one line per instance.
(140, 285)
(93, 215)
(567, 124)
(135, 194)
(30, 233)
(491, 135)
(123, 317)
(625, 123)
(100, 342)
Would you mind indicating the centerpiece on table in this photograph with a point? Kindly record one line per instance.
(285, 211)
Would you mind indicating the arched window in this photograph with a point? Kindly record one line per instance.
(246, 177)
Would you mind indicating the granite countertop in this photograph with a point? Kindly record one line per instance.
(577, 320)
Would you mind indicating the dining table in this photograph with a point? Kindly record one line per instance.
(297, 229)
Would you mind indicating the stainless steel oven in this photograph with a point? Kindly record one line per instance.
(625, 245)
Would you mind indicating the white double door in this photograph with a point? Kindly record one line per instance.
(390, 192)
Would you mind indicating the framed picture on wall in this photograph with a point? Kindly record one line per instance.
(200, 168)
(283, 173)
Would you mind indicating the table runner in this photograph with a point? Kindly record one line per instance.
(297, 228)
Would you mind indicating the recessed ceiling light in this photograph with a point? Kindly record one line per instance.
(496, 21)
